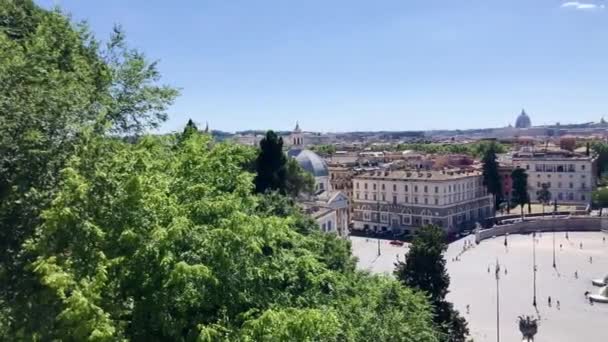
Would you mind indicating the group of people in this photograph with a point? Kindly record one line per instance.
(467, 245)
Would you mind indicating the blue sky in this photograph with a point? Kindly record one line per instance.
(342, 65)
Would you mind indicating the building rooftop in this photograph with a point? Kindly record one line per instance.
(447, 174)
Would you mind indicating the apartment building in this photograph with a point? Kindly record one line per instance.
(402, 201)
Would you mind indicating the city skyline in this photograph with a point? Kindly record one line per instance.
(354, 66)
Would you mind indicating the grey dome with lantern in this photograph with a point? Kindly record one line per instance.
(310, 162)
(523, 120)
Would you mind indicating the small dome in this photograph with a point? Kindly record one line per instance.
(523, 120)
(310, 162)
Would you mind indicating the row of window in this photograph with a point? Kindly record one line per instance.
(449, 199)
(555, 168)
(559, 185)
(455, 188)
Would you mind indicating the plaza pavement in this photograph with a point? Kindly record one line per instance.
(471, 284)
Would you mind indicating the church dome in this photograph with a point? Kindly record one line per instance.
(310, 162)
(523, 120)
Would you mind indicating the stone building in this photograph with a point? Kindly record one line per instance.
(571, 176)
(402, 201)
(330, 208)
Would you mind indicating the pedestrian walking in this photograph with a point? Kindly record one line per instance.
(591, 260)
(468, 309)
(560, 246)
(576, 274)
(505, 271)
(557, 305)
(581, 245)
(549, 300)
(586, 294)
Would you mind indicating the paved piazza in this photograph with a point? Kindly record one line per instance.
(471, 284)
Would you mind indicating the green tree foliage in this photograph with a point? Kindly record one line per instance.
(476, 149)
(600, 198)
(491, 177)
(56, 79)
(166, 241)
(424, 269)
(543, 195)
(271, 165)
(276, 172)
(519, 189)
(600, 149)
(298, 181)
(324, 149)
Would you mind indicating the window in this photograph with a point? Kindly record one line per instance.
(329, 225)
(366, 196)
(583, 167)
(571, 185)
(357, 195)
(357, 185)
(426, 189)
(527, 167)
(449, 188)
(384, 217)
(395, 187)
(374, 197)
(583, 185)
(324, 227)
(405, 219)
(394, 199)
(538, 184)
(321, 186)
(365, 186)
(583, 198)
(436, 201)
(383, 197)
(436, 189)
(407, 200)
(383, 188)
(406, 190)
(549, 176)
(416, 200)
(374, 186)
(415, 188)
(559, 184)
(366, 215)
(426, 200)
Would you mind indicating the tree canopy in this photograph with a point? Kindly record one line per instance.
(519, 193)
(157, 242)
(491, 176)
(424, 269)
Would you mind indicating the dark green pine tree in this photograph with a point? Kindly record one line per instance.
(424, 269)
(519, 191)
(491, 177)
(271, 165)
(189, 130)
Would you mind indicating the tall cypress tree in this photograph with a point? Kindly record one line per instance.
(491, 177)
(424, 269)
(189, 130)
(271, 165)
(520, 188)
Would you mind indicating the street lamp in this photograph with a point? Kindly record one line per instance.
(534, 267)
(497, 272)
(554, 248)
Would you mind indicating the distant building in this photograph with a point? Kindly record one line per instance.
(571, 176)
(402, 201)
(328, 207)
(523, 120)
